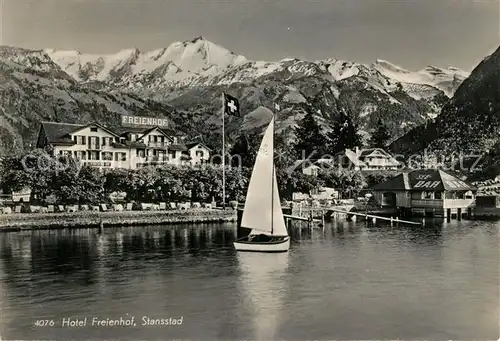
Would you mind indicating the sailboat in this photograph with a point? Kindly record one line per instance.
(262, 212)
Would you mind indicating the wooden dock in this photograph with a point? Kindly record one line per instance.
(293, 217)
(397, 220)
(348, 213)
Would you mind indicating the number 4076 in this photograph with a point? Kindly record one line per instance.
(45, 323)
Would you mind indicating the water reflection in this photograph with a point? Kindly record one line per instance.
(350, 280)
(262, 277)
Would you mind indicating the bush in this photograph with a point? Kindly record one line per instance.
(73, 184)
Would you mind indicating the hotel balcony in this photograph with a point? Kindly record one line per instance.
(152, 160)
(94, 147)
(160, 145)
(98, 163)
(442, 204)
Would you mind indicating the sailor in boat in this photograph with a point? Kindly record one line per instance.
(264, 238)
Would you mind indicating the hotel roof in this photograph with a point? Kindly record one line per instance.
(59, 132)
(425, 180)
(56, 132)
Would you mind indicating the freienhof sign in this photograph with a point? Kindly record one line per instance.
(144, 121)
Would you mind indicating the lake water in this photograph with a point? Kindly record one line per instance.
(350, 281)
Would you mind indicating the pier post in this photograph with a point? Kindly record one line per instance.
(448, 214)
(459, 214)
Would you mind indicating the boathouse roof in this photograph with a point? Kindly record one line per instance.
(425, 180)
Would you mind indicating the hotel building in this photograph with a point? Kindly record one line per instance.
(98, 146)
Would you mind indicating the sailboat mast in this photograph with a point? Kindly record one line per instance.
(223, 158)
(272, 179)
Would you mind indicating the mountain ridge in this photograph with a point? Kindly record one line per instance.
(183, 83)
(83, 66)
(469, 122)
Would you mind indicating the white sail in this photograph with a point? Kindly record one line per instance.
(262, 212)
(279, 226)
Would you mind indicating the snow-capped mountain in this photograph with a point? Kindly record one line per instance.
(172, 65)
(468, 124)
(203, 63)
(446, 80)
(184, 81)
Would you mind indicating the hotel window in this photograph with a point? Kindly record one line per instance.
(140, 153)
(199, 153)
(93, 129)
(438, 195)
(106, 141)
(79, 139)
(107, 156)
(94, 155)
(80, 155)
(120, 156)
(93, 142)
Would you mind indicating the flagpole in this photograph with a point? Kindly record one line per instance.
(223, 158)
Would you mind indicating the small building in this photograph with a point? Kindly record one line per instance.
(198, 152)
(370, 159)
(311, 170)
(321, 193)
(306, 167)
(426, 191)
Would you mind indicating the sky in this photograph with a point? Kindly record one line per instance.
(409, 33)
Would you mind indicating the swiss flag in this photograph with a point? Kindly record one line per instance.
(231, 105)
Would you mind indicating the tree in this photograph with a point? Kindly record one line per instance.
(349, 182)
(377, 177)
(78, 185)
(380, 135)
(143, 182)
(244, 149)
(237, 183)
(310, 139)
(34, 170)
(169, 183)
(343, 135)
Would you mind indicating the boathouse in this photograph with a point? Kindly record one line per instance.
(426, 191)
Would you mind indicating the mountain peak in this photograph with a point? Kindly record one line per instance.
(382, 63)
(197, 39)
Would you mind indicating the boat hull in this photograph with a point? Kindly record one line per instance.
(245, 245)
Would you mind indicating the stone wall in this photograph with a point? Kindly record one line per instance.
(33, 221)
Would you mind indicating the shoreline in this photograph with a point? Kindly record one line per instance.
(42, 221)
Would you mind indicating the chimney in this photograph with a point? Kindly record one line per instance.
(357, 151)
